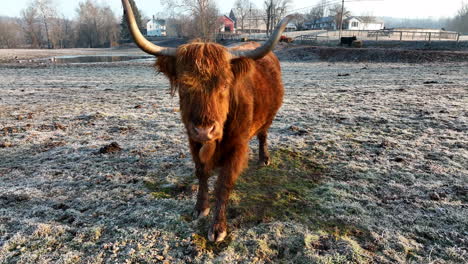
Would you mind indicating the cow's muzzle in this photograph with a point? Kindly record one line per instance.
(205, 133)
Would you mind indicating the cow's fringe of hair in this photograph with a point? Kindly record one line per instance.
(204, 66)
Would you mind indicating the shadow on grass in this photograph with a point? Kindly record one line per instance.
(284, 191)
(280, 191)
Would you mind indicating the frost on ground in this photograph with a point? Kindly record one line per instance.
(369, 165)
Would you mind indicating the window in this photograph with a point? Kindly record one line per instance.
(355, 24)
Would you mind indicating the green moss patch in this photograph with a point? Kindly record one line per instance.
(164, 190)
(281, 191)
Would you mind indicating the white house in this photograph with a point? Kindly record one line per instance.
(156, 28)
(290, 27)
(359, 23)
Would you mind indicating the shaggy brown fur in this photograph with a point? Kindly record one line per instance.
(238, 98)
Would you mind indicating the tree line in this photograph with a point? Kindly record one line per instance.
(41, 25)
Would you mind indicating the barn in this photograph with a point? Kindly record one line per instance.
(226, 24)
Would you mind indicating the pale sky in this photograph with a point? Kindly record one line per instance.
(395, 8)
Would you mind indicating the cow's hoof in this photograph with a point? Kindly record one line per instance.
(264, 162)
(201, 214)
(215, 236)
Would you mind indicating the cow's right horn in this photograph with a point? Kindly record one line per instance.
(268, 46)
(140, 40)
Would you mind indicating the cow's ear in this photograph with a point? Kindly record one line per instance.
(242, 67)
(167, 65)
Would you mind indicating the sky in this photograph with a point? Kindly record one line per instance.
(395, 8)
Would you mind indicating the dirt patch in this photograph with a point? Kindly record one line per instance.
(111, 148)
(307, 53)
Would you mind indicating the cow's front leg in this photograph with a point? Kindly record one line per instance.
(203, 172)
(202, 207)
(264, 155)
(233, 163)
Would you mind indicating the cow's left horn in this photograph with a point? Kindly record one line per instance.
(268, 46)
(140, 40)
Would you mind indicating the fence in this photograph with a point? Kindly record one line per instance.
(400, 35)
(310, 37)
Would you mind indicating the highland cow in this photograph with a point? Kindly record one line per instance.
(227, 96)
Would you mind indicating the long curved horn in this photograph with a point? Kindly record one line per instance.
(140, 40)
(268, 46)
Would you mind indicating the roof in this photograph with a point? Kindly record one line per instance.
(367, 19)
(328, 19)
(161, 22)
(234, 12)
(224, 17)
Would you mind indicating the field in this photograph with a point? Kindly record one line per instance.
(370, 165)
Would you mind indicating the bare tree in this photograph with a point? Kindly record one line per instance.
(205, 14)
(87, 24)
(317, 12)
(109, 30)
(243, 9)
(175, 20)
(96, 26)
(31, 26)
(43, 26)
(63, 33)
(47, 13)
(269, 13)
(299, 20)
(274, 11)
(192, 18)
(10, 33)
(335, 11)
(460, 22)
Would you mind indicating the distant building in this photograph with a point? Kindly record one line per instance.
(349, 23)
(327, 23)
(253, 21)
(156, 28)
(363, 23)
(290, 27)
(226, 24)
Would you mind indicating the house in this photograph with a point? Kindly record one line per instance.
(226, 25)
(290, 27)
(349, 23)
(362, 23)
(253, 21)
(156, 28)
(327, 23)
